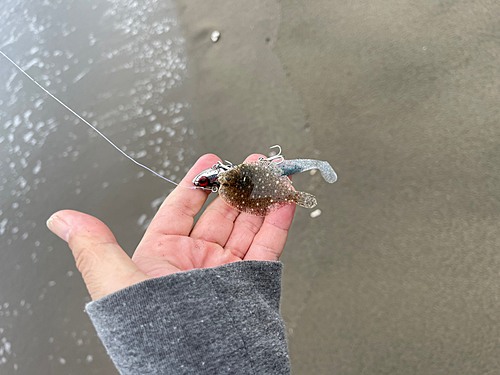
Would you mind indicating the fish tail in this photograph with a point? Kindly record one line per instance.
(305, 200)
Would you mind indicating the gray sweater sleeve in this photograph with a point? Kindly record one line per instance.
(222, 320)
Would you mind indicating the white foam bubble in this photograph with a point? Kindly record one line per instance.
(142, 219)
(315, 213)
(81, 75)
(141, 154)
(38, 167)
(3, 224)
(27, 137)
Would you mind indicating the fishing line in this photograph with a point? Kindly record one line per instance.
(93, 127)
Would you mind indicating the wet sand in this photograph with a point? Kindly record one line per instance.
(398, 275)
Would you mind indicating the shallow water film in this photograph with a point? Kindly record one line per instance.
(394, 272)
(123, 67)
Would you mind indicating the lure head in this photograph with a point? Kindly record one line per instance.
(207, 179)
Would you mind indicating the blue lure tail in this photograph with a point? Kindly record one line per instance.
(290, 167)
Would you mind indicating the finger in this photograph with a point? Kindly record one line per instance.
(269, 242)
(104, 266)
(244, 230)
(176, 214)
(216, 223)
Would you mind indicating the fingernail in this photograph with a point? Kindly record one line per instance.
(58, 227)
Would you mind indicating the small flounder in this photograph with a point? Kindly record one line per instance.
(259, 188)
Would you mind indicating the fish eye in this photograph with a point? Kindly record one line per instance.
(203, 181)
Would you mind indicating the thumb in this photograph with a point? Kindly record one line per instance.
(104, 266)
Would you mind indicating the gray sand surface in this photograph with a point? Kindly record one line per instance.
(399, 275)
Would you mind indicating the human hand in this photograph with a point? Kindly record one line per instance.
(171, 244)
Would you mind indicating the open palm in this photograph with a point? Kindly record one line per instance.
(171, 243)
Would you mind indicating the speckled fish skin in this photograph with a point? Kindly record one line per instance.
(290, 167)
(259, 188)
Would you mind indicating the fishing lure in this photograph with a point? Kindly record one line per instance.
(262, 186)
(257, 188)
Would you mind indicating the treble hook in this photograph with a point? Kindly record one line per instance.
(219, 166)
(277, 156)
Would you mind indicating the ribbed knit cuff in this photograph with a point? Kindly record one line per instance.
(222, 320)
